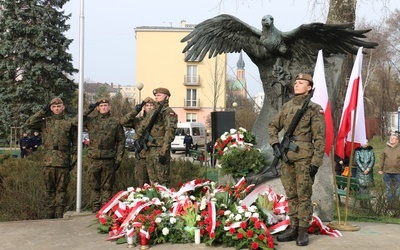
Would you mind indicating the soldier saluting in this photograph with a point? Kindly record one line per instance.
(298, 172)
(59, 141)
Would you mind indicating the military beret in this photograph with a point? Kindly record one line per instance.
(149, 99)
(397, 134)
(306, 77)
(56, 100)
(103, 100)
(162, 91)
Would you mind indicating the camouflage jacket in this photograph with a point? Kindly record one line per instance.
(107, 138)
(163, 130)
(311, 130)
(130, 120)
(59, 137)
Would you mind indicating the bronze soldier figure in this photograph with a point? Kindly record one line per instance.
(59, 141)
(163, 132)
(297, 175)
(133, 120)
(105, 151)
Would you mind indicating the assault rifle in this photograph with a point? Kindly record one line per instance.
(286, 142)
(141, 142)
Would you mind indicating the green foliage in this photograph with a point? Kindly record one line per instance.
(34, 62)
(239, 162)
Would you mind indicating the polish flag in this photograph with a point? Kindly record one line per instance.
(321, 97)
(354, 102)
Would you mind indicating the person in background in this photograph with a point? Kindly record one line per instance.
(340, 164)
(389, 167)
(36, 141)
(59, 134)
(188, 142)
(24, 144)
(163, 133)
(133, 120)
(297, 175)
(365, 158)
(105, 151)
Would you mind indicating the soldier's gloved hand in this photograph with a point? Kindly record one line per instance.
(162, 159)
(139, 107)
(46, 108)
(313, 170)
(116, 165)
(276, 148)
(92, 106)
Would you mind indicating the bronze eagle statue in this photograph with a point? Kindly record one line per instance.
(278, 55)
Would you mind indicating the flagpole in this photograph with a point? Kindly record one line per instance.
(335, 185)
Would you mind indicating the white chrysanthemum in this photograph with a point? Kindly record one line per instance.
(242, 129)
(256, 215)
(241, 136)
(198, 217)
(232, 131)
(145, 198)
(192, 198)
(138, 189)
(247, 214)
(252, 208)
(158, 220)
(240, 210)
(231, 216)
(203, 203)
(164, 208)
(172, 220)
(238, 217)
(130, 189)
(227, 212)
(224, 206)
(165, 231)
(224, 136)
(213, 199)
(233, 145)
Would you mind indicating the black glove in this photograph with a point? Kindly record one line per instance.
(276, 148)
(313, 170)
(46, 108)
(138, 107)
(116, 165)
(92, 106)
(162, 159)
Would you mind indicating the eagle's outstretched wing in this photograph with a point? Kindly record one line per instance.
(222, 34)
(306, 40)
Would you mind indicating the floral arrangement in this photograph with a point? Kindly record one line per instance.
(230, 216)
(237, 155)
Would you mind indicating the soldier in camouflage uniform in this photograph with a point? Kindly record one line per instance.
(163, 132)
(133, 120)
(298, 174)
(59, 142)
(105, 151)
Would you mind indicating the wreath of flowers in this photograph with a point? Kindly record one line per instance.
(230, 216)
(237, 155)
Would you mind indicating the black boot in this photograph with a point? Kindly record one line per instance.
(59, 215)
(290, 234)
(50, 215)
(302, 239)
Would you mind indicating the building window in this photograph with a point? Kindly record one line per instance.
(191, 74)
(191, 117)
(191, 98)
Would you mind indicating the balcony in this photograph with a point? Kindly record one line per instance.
(191, 80)
(191, 104)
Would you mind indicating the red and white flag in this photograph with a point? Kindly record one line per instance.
(354, 102)
(321, 97)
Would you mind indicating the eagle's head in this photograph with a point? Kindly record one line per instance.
(267, 21)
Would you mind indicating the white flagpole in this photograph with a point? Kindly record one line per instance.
(80, 112)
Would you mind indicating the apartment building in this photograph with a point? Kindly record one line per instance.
(197, 87)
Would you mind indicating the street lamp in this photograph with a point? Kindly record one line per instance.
(234, 105)
(140, 86)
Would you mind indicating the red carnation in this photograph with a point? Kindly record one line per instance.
(202, 231)
(204, 213)
(217, 223)
(270, 243)
(240, 236)
(221, 212)
(151, 229)
(243, 224)
(261, 237)
(254, 245)
(212, 235)
(228, 223)
(232, 230)
(103, 220)
(257, 225)
(250, 233)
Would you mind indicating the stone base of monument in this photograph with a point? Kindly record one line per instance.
(343, 226)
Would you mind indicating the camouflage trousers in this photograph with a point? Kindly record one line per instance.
(102, 177)
(297, 183)
(56, 180)
(141, 174)
(158, 173)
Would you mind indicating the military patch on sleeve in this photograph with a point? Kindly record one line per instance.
(171, 114)
(321, 111)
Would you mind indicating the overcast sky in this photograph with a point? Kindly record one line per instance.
(109, 47)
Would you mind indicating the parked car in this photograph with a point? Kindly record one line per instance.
(129, 141)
